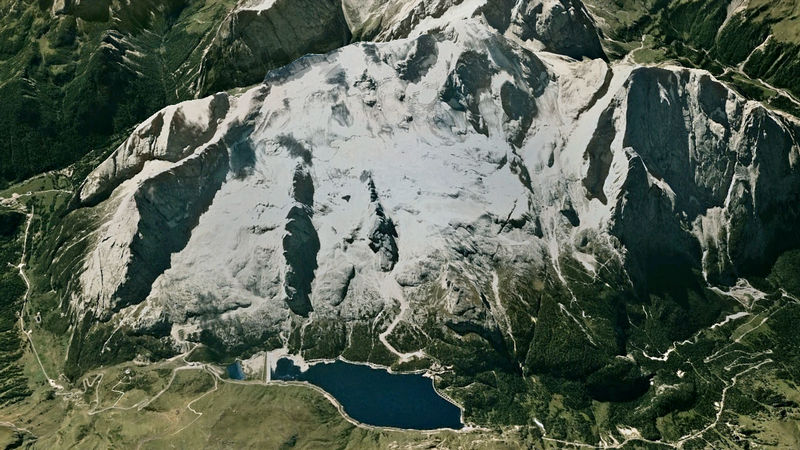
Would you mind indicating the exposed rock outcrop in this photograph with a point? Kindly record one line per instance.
(382, 233)
(169, 135)
(562, 26)
(464, 132)
(160, 181)
(300, 247)
(457, 192)
(712, 163)
(301, 242)
(262, 34)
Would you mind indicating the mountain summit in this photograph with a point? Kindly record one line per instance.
(469, 188)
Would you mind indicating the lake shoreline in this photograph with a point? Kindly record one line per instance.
(375, 395)
(267, 361)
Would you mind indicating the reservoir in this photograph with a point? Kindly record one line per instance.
(235, 371)
(377, 397)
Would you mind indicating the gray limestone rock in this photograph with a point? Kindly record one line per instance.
(254, 39)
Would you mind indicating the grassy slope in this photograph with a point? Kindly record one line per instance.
(701, 34)
(755, 362)
(13, 384)
(193, 408)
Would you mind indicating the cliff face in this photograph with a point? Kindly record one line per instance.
(260, 35)
(730, 168)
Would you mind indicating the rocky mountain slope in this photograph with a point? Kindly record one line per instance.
(584, 248)
(78, 75)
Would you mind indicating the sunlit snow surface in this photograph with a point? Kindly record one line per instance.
(449, 177)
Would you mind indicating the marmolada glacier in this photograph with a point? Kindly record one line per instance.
(539, 223)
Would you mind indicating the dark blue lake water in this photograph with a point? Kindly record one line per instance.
(235, 371)
(377, 397)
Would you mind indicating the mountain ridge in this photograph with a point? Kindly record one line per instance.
(476, 196)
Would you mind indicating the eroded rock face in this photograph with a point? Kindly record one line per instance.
(301, 242)
(263, 34)
(155, 187)
(169, 135)
(558, 26)
(300, 247)
(711, 155)
(562, 26)
(382, 232)
(393, 19)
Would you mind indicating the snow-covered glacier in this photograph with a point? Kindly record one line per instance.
(477, 179)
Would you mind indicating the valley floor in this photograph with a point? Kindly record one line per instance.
(189, 405)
